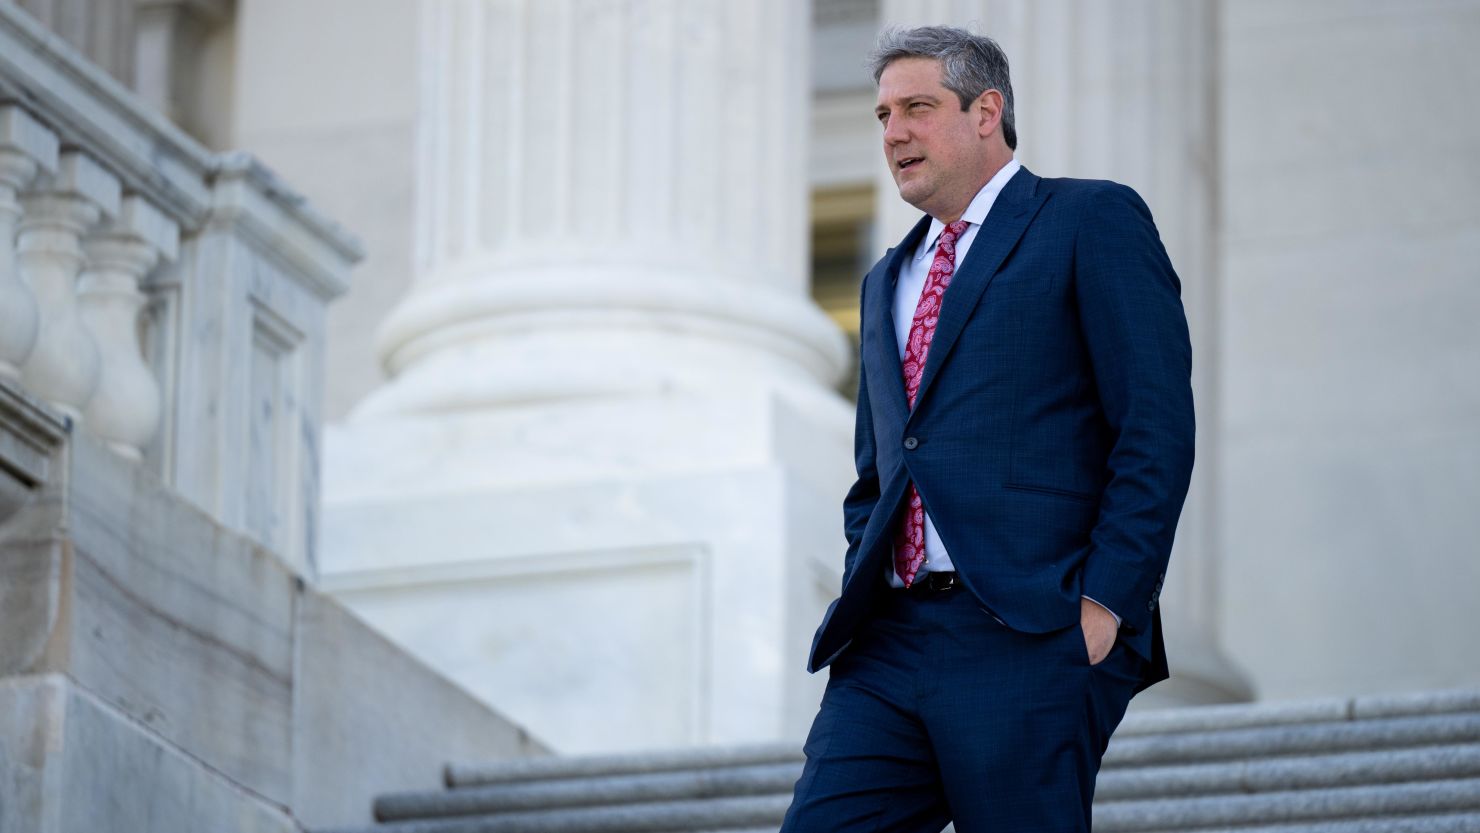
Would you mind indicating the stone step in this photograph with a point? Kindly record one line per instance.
(1249, 715)
(531, 769)
(1299, 773)
(1361, 803)
(1250, 776)
(1294, 739)
(1197, 722)
(673, 785)
(658, 817)
(1364, 802)
(1407, 764)
(1444, 823)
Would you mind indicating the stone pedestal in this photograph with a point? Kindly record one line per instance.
(601, 488)
(1128, 92)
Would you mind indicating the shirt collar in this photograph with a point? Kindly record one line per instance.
(976, 212)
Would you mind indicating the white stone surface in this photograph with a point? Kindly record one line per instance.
(610, 425)
(234, 328)
(163, 664)
(238, 339)
(368, 719)
(175, 47)
(610, 400)
(63, 759)
(540, 233)
(26, 148)
(342, 130)
(1351, 357)
(63, 366)
(32, 439)
(130, 140)
(217, 685)
(124, 409)
(620, 575)
(845, 143)
(183, 626)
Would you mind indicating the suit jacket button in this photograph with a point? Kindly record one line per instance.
(911, 443)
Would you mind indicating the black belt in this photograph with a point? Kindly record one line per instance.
(935, 583)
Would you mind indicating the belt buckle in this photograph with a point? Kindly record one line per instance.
(940, 582)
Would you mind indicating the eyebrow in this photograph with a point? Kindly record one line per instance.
(925, 97)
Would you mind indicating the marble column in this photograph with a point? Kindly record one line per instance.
(26, 148)
(63, 368)
(125, 409)
(172, 65)
(590, 168)
(1127, 91)
(610, 442)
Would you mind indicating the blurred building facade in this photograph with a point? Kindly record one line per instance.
(588, 389)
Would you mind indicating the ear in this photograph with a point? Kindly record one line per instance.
(988, 109)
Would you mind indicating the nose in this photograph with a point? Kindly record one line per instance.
(894, 131)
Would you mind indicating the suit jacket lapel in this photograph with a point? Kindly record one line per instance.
(880, 345)
(1005, 223)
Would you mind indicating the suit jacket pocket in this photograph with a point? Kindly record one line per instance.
(1018, 284)
(1082, 497)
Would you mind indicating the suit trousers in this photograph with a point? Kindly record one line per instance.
(938, 712)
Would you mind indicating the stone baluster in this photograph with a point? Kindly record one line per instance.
(63, 366)
(26, 148)
(125, 409)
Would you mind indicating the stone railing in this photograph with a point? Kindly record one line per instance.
(166, 299)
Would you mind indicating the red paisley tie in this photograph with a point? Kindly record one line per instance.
(909, 540)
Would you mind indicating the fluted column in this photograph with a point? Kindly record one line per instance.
(26, 148)
(599, 169)
(1126, 91)
(610, 388)
(124, 411)
(64, 365)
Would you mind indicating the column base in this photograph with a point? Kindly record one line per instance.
(617, 575)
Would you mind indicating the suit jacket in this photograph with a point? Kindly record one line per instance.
(1052, 437)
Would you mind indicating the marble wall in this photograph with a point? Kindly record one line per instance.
(327, 93)
(611, 396)
(1350, 466)
(160, 672)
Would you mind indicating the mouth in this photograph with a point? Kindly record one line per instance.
(908, 162)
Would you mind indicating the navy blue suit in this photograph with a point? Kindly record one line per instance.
(1052, 445)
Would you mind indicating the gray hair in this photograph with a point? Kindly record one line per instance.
(970, 64)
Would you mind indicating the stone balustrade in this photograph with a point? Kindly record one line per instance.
(166, 299)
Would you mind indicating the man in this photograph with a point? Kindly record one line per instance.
(1023, 444)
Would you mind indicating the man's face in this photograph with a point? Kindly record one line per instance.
(937, 153)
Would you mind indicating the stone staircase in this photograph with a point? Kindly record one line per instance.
(1389, 764)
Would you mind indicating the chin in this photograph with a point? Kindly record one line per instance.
(910, 195)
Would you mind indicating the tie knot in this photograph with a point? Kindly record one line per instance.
(952, 232)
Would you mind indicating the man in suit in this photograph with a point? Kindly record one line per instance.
(1023, 443)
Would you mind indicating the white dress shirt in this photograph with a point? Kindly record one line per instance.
(907, 288)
